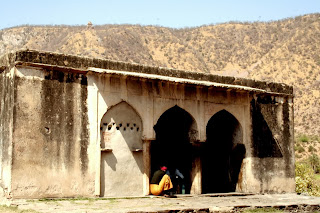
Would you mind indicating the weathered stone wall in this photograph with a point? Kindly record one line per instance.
(6, 125)
(151, 98)
(122, 157)
(266, 123)
(272, 151)
(51, 135)
(81, 63)
(56, 118)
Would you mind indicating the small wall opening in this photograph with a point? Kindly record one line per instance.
(172, 146)
(223, 154)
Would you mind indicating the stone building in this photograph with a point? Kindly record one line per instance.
(72, 126)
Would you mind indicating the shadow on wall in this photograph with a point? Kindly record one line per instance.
(111, 161)
(122, 165)
(222, 154)
(120, 132)
(264, 143)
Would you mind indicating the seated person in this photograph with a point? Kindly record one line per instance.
(161, 183)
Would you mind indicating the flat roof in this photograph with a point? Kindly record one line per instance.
(84, 65)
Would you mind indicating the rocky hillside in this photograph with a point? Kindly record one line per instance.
(283, 51)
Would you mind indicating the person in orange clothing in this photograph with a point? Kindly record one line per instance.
(161, 183)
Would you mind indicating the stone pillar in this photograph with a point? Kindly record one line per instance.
(147, 166)
(196, 173)
(98, 171)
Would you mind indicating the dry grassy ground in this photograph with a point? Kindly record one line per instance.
(306, 146)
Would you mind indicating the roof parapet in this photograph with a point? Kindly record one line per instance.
(83, 64)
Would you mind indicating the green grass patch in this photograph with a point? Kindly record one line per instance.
(8, 209)
(14, 209)
(306, 138)
(303, 138)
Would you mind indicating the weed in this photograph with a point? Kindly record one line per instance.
(314, 161)
(303, 138)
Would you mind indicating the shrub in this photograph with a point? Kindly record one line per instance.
(311, 149)
(305, 180)
(299, 148)
(303, 138)
(314, 162)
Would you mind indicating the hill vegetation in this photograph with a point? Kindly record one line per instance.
(283, 51)
(307, 151)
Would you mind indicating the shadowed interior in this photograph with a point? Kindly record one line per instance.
(172, 145)
(223, 154)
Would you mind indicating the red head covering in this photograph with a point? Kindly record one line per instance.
(163, 168)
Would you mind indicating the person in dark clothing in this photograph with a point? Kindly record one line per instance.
(161, 183)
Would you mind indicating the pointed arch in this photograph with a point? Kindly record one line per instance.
(175, 130)
(121, 131)
(219, 121)
(223, 154)
(121, 105)
(185, 119)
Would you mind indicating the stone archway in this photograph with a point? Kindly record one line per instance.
(121, 152)
(223, 153)
(175, 130)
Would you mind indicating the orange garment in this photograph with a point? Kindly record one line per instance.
(165, 184)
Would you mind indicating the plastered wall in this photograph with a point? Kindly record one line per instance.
(150, 99)
(6, 127)
(50, 143)
(56, 132)
(271, 154)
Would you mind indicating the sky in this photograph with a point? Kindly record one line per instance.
(168, 13)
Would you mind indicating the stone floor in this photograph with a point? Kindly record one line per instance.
(231, 202)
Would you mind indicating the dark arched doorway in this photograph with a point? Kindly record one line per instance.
(223, 154)
(172, 147)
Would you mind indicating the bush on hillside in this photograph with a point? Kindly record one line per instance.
(305, 180)
(303, 138)
(314, 162)
(299, 148)
(312, 149)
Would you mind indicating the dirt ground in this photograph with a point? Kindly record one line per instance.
(231, 202)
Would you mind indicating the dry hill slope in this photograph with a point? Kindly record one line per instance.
(283, 51)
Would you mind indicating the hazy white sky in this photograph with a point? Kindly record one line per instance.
(169, 13)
